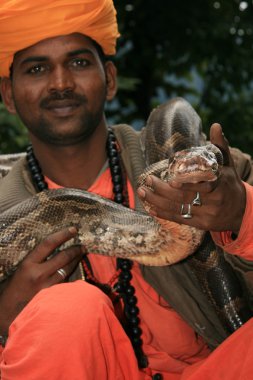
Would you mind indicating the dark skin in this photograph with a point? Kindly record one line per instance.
(76, 128)
(67, 135)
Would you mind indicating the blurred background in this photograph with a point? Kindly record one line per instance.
(200, 50)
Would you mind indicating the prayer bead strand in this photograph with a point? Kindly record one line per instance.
(123, 287)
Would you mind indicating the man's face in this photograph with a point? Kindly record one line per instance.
(59, 87)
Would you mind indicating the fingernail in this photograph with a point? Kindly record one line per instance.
(141, 192)
(149, 181)
(83, 249)
(73, 230)
(175, 184)
(152, 212)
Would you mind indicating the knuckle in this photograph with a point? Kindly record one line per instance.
(59, 237)
(46, 243)
(25, 266)
(52, 241)
(210, 186)
(218, 203)
(49, 241)
(181, 197)
(36, 277)
(205, 224)
(31, 272)
(71, 252)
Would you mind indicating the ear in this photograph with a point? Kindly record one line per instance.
(7, 94)
(111, 80)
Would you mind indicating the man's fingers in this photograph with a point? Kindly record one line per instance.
(217, 138)
(48, 245)
(68, 259)
(201, 187)
(59, 271)
(164, 190)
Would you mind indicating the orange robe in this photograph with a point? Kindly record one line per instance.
(243, 244)
(70, 331)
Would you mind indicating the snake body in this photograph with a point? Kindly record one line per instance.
(174, 147)
(7, 161)
(105, 227)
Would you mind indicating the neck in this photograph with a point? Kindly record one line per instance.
(73, 166)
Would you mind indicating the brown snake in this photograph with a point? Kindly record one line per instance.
(105, 227)
(110, 229)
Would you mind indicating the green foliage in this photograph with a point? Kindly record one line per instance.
(13, 135)
(201, 50)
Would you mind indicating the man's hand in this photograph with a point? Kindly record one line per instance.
(37, 271)
(223, 200)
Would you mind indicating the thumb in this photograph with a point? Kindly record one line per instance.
(217, 138)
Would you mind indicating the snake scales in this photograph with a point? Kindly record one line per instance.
(110, 229)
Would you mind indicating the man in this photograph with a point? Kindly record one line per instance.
(60, 327)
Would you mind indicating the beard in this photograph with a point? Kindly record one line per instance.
(69, 130)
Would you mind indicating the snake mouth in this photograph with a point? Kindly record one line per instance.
(193, 165)
(195, 177)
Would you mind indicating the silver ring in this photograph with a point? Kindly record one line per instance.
(188, 214)
(197, 201)
(62, 273)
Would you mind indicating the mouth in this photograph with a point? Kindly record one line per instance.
(63, 109)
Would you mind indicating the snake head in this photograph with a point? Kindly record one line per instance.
(196, 164)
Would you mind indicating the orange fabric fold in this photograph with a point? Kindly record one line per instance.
(23, 23)
(243, 245)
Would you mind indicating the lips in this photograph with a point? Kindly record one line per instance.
(62, 108)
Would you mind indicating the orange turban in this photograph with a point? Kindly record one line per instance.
(25, 22)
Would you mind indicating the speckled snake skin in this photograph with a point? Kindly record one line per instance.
(104, 227)
(7, 161)
(110, 229)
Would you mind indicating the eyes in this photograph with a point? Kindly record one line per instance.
(74, 64)
(79, 62)
(37, 69)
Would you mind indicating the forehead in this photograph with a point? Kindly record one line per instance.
(56, 47)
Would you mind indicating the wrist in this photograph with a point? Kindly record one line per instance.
(10, 305)
(239, 216)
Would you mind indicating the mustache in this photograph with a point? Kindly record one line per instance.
(62, 95)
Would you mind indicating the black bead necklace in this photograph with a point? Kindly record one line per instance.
(123, 287)
(35, 170)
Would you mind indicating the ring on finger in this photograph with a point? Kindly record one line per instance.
(187, 214)
(62, 273)
(197, 201)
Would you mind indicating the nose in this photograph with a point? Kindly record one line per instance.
(60, 79)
